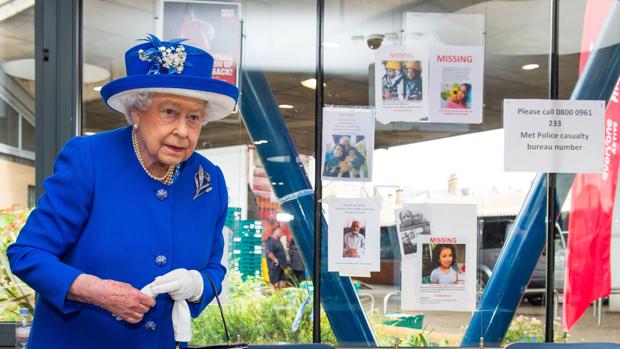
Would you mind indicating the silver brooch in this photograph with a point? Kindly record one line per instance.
(203, 182)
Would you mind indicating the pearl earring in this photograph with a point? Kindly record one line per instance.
(135, 126)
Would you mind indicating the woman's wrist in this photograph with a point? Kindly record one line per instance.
(84, 288)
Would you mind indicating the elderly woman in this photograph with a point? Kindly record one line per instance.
(130, 208)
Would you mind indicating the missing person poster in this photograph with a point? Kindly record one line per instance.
(412, 222)
(455, 85)
(353, 236)
(212, 26)
(401, 78)
(348, 143)
(442, 274)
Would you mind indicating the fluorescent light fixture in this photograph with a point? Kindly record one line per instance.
(311, 84)
(530, 66)
(97, 88)
(331, 44)
(284, 217)
(261, 141)
(286, 106)
(89, 133)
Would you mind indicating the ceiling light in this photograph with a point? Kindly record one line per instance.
(262, 141)
(286, 106)
(24, 69)
(97, 88)
(311, 83)
(530, 66)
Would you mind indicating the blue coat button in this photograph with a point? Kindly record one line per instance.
(161, 260)
(161, 194)
(150, 326)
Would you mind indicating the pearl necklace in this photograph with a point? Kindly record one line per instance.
(166, 178)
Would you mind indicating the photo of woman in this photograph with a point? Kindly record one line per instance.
(456, 96)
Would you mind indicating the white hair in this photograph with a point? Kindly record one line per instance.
(141, 101)
(135, 101)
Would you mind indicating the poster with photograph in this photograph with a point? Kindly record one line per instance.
(442, 273)
(353, 236)
(348, 143)
(455, 85)
(401, 78)
(412, 221)
(212, 26)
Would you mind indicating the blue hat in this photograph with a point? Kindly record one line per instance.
(170, 67)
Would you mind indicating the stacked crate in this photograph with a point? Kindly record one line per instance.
(247, 248)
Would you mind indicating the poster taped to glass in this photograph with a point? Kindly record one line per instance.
(401, 77)
(212, 26)
(456, 84)
(348, 143)
(353, 236)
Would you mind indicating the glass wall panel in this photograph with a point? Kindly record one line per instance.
(420, 164)
(582, 24)
(17, 168)
(276, 54)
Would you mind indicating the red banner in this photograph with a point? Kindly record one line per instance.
(588, 269)
(595, 14)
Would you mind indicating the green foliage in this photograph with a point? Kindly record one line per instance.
(258, 313)
(14, 294)
(526, 329)
(422, 339)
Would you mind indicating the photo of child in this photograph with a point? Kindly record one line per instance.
(345, 157)
(401, 80)
(443, 264)
(456, 96)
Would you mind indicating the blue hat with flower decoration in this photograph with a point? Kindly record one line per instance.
(170, 67)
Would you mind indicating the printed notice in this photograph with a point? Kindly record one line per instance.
(455, 84)
(441, 273)
(557, 136)
(353, 237)
(401, 84)
(348, 142)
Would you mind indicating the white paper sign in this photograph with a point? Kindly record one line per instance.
(401, 78)
(429, 282)
(455, 84)
(553, 135)
(353, 236)
(348, 144)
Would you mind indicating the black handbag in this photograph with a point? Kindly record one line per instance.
(230, 344)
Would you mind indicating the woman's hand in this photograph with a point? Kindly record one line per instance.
(120, 298)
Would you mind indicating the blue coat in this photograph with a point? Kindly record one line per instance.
(102, 215)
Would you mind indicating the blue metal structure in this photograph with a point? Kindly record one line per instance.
(526, 241)
(277, 152)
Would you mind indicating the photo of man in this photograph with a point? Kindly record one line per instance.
(390, 83)
(354, 240)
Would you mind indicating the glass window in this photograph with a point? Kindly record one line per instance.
(272, 72)
(17, 168)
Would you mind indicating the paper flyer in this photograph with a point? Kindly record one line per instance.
(456, 84)
(212, 26)
(401, 78)
(412, 221)
(348, 143)
(353, 236)
(442, 273)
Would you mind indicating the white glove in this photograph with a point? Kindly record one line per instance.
(180, 284)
